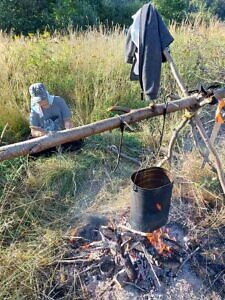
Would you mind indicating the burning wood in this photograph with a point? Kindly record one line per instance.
(121, 257)
(155, 238)
(107, 259)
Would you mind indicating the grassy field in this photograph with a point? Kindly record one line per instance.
(41, 199)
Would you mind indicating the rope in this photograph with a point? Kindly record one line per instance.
(163, 129)
(122, 125)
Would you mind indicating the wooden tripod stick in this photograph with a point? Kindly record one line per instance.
(172, 142)
(209, 145)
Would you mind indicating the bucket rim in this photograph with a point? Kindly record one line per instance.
(171, 178)
(140, 188)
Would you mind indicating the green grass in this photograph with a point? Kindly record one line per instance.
(39, 200)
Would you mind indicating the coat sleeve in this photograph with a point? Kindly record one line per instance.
(65, 111)
(34, 119)
(130, 48)
(165, 37)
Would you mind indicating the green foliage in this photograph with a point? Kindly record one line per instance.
(200, 10)
(117, 11)
(216, 7)
(172, 9)
(73, 13)
(24, 15)
(17, 125)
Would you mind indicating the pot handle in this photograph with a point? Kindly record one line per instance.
(135, 188)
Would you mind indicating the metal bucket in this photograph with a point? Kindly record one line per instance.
(151, 198)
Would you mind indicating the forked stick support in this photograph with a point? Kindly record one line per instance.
(209, 145)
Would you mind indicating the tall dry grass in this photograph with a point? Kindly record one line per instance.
(88, 70)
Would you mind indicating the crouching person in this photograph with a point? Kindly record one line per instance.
(49, 114)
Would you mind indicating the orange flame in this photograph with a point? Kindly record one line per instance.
(156, 241)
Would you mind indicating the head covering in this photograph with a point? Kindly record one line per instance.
(38, 93)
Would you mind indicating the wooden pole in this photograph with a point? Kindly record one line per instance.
(64, 136)
(208, 143)
(211, 148)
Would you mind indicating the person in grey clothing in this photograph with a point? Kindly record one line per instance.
(49, 114)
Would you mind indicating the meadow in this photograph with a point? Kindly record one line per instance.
(41, 199)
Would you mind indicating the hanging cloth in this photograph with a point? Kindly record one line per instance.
(146, 55)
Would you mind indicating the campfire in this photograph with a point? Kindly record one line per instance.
(115, 256)
(107, 259)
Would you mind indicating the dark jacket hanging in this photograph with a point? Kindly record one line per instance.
(154, 37)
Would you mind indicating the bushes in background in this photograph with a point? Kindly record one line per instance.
(25, 16)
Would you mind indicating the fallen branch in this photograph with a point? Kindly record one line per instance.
(41, 143)
(64, 136)
(187, 259)
(148, 257)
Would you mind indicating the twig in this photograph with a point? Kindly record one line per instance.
(164, 151)
(3, 132)
(206, 159)
(132, 230)
(71, 238)
(136, 286)
(214, 281)
(114, 149)
(119, 108)
(89, 268)
(187, 259)
(130, 270)
(69, 261)
(126, 242)
(172, 242)
(72, 261)
(148, 257)
(172, 141)
(116, 276)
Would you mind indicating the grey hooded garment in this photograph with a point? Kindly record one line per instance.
(154, 37)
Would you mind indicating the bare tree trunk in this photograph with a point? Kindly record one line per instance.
(64, 136)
